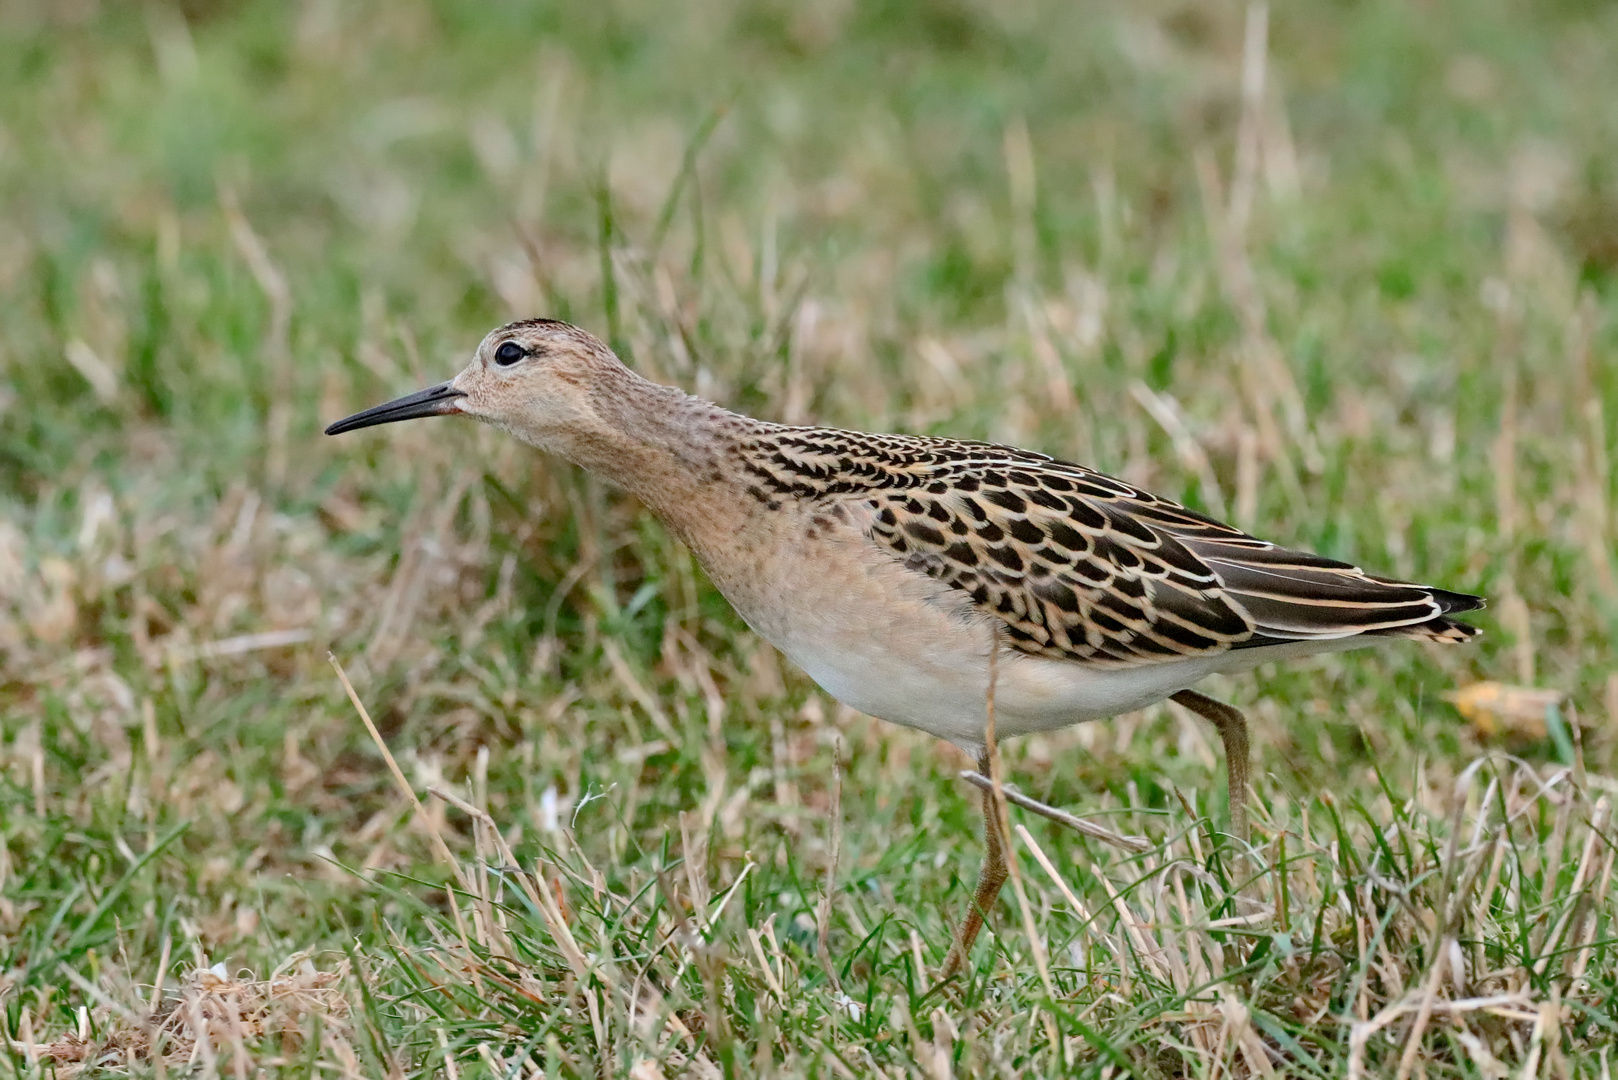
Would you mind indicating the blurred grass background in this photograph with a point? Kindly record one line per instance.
(1341, 271)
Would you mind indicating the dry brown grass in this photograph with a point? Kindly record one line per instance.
(1326, 286)
(209, 1022)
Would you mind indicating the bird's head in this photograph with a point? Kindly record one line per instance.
(538, 379)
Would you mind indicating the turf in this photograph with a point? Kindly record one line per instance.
(1344, 274)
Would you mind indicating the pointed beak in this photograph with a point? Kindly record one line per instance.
(437, 400)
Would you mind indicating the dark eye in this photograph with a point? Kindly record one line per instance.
(509, 353)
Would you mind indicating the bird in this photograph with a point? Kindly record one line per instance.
(904, 573)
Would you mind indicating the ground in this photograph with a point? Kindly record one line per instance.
(1344, 273)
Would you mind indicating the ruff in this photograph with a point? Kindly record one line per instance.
(889, 566)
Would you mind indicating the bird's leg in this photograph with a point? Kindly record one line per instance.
(990, 878)
(1233, 732)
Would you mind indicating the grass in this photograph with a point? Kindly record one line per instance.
(1365, 306)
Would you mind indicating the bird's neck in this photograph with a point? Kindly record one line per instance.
(672, 451)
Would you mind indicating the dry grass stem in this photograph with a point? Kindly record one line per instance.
(1370, 315)
(1061, 817)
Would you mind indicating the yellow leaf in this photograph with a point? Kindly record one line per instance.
(1495, 709)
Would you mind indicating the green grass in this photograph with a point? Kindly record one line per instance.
(224, 225)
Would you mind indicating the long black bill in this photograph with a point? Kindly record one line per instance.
(433, 401)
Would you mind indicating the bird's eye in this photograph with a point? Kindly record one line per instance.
(509, 353)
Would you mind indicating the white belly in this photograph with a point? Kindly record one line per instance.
(903, 647)
(923, 661)
(946, 693)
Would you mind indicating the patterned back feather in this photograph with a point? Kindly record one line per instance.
(1080, 566)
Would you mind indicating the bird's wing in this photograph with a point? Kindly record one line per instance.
(1080, 566)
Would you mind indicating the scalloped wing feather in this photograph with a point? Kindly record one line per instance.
(1080, 566)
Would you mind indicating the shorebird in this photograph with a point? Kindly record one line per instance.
(904, 573)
